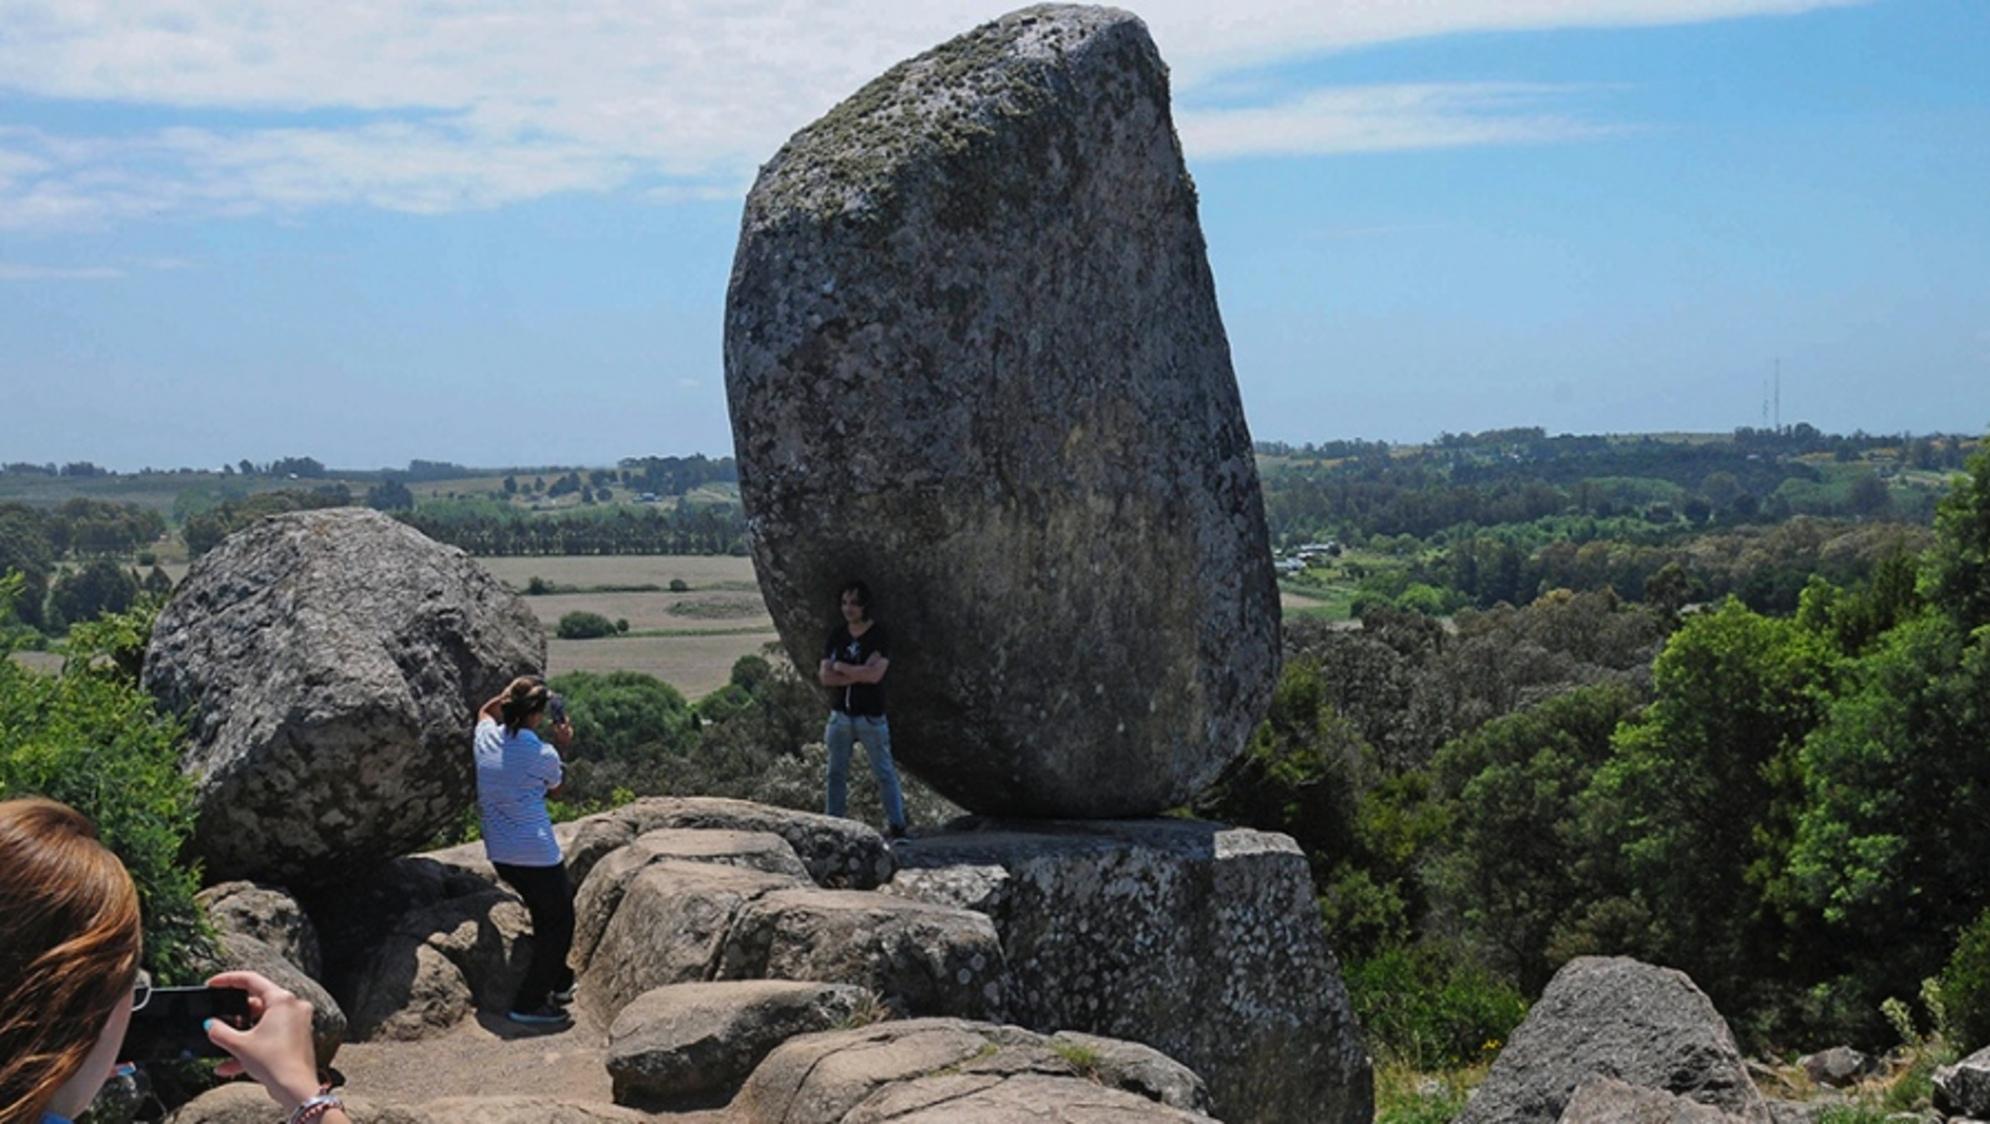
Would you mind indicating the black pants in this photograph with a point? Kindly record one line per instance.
(550, 899)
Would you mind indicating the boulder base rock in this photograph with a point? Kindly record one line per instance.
(1606, 1100)
(331, 661)
(269, 914)
(973, 356)
(950, 1071)
(439, 964)
(1839, 1066)
(1615, 1017)
(1200, 940)
(695, 1043)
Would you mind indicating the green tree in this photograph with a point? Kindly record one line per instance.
(1891, 846)
(627, 727)
(390, 495)
(1701, 792)
(1958, 577)
(91, 738)
(583, 625)
(1512, 867)
(101, 586)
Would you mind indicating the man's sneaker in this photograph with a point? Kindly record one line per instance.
(543, 1015)
(563, 997)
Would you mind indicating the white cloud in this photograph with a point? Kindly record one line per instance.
(18, 271)
(429, 107)
(1386, 118)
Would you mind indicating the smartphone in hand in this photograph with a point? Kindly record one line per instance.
(169, 1027)
(557, 708)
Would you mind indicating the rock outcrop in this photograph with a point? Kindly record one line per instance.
(1618, 1018)
(686, 922)
(950, 1071)
(973, 356)
(269, 914)
(695, 1043)
(439, 964)
(1200, 940)
(330, 661)
(245, 1103)
(1963, 1089)
(838, 853)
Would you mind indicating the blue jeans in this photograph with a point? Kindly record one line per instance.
(875, 733)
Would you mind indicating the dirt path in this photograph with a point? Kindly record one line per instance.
(489, 1056)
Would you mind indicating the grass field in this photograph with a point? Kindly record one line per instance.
(688, 640)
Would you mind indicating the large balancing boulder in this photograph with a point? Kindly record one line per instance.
(973, 357)
(330, 662)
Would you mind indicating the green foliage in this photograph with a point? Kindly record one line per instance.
(1514, 867)
(679, 585)
(628, 729)
(1430, 1005)
(1701, 791)
(1964, 989)
(582, 625)
(100, 586)
(1895, 778)
(1404, 1096)
(91, 738)
(1959, 565)
(205, 530)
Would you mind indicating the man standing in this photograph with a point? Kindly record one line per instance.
(853, 665)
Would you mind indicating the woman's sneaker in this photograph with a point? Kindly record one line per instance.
(545, 1014)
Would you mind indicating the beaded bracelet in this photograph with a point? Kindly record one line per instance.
(316, 1107)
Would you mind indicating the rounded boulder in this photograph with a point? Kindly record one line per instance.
(329, 663)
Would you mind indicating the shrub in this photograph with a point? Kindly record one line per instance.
(536, 586)
(91, 738)
(1428, 1006)
(585, 626)
(679, 585)
(621, 624)
(1965, 989)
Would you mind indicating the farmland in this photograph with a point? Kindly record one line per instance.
(688, 639)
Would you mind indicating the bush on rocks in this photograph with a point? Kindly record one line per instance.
(1965, 989)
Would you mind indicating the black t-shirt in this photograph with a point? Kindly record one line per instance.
(866, 699)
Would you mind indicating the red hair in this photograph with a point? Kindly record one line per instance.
(69, 946)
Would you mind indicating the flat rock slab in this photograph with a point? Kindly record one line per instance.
(248, 1104)
(671, 927)
(330, 661)
(1200, 940)
(1619, 1018)
(695, 1043)
(676, 921)
(973, 356)
(838, 853)
(920, 959)
(601, 894)
(950, 1070)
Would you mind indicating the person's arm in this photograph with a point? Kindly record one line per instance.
(833, 674)
(871, 671)
(276, 1051)
(492, 709)
(563, 735)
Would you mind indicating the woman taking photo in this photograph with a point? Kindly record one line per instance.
(515, 773)
(69, 981)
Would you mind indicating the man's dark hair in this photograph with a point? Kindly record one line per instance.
(862, 591)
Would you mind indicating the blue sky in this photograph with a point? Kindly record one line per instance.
(504, 238)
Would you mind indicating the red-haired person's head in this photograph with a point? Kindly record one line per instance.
(69, 948)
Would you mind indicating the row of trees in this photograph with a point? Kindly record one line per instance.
(495, 530)
(36, 542)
